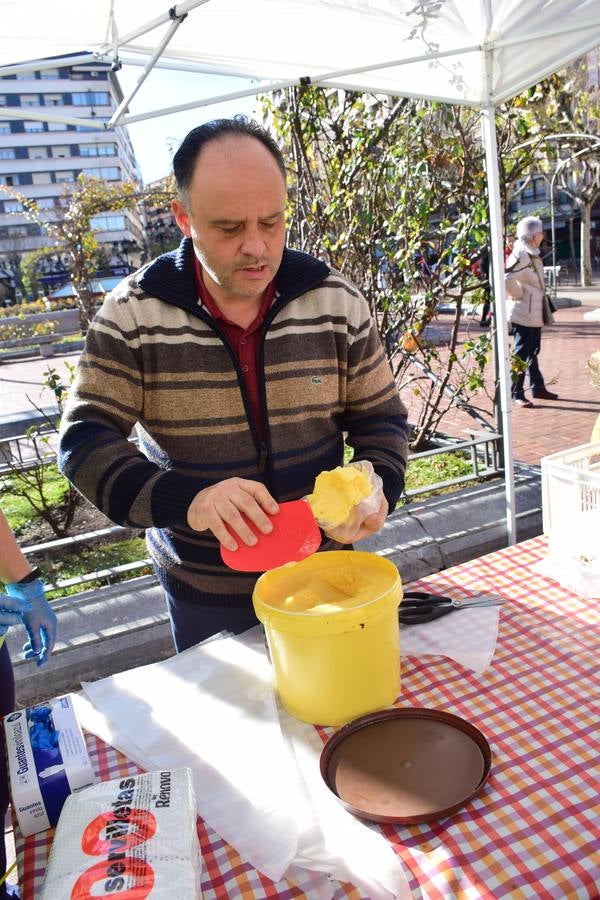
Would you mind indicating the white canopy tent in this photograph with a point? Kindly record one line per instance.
(472, 52)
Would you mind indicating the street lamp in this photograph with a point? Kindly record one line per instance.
(558, 169)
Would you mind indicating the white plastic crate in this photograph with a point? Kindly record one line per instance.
(571, 516)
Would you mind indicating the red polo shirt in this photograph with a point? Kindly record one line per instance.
(243, 340)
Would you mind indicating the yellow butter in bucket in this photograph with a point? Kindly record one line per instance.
(332, 627)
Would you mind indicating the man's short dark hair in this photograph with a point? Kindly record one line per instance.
(185, 159)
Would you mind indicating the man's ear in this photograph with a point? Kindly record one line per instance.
(181, 217)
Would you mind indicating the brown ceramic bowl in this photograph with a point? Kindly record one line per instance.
(406, 766)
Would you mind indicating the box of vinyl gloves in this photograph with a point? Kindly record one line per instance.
(47, 761)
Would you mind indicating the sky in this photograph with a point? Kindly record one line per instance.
(155, 140)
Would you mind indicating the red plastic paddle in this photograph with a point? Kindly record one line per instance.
(295, 535)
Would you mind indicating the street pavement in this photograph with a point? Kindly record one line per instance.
(551, 426)
(22, 382)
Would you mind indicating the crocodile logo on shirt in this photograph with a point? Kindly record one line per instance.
(315, 379)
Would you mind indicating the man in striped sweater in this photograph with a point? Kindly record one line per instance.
(241, 364)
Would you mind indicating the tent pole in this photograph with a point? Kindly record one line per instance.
(499, 300)
(118, 113)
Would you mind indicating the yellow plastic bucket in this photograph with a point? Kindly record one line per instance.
(335, 663)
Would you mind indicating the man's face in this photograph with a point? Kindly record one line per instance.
(537, 238)
(235, 217)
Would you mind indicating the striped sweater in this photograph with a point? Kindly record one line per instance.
(156, 361)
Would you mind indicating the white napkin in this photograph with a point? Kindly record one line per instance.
(330, 839)
(211, 708)
(465, 635)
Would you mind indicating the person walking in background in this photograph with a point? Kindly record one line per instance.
(484, 276)
(242, 364)
(24, 603)
(525, 291)
(508, 249)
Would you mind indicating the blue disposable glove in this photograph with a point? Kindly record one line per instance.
(11, 610)
(39, 622)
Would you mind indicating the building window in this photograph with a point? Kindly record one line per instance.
(57, 126)
(528, 192)
(47, 74)
(38, 153)
(4, 127)
(3, 100)
(540, 188)
(29, 100)
(53, 100)
(107, 173)
(60, 152)
(64, 177)
(41, 178)
(7, 153)
(33, 126)
(9, 180)
(107, 223)
(13, 206)
(17, 231)
(98, 150)
(45, 202)
(91, 98)
(25, 76)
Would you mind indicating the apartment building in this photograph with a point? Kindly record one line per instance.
(39, 158)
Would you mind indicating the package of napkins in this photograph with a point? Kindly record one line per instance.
(131, 837)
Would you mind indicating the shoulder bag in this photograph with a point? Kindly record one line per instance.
(548, 307)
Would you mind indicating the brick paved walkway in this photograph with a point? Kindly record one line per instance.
(553, 426)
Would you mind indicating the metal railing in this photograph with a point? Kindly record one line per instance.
(482, 448)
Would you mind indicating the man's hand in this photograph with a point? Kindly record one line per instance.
(221, 507)
(371, 525)
(39, 621)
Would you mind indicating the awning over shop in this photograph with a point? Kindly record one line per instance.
(99, 286)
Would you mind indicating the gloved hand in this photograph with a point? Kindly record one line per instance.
(39, 622)
(11, 610)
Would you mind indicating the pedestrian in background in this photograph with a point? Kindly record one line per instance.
(525, 291)
(508, 249)
(484, 277)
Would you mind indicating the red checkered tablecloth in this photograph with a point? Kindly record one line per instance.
(533, 832)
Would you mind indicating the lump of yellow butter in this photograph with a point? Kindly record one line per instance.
(337, 492)
(348, 580)
(301, 600)
(331, 590)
